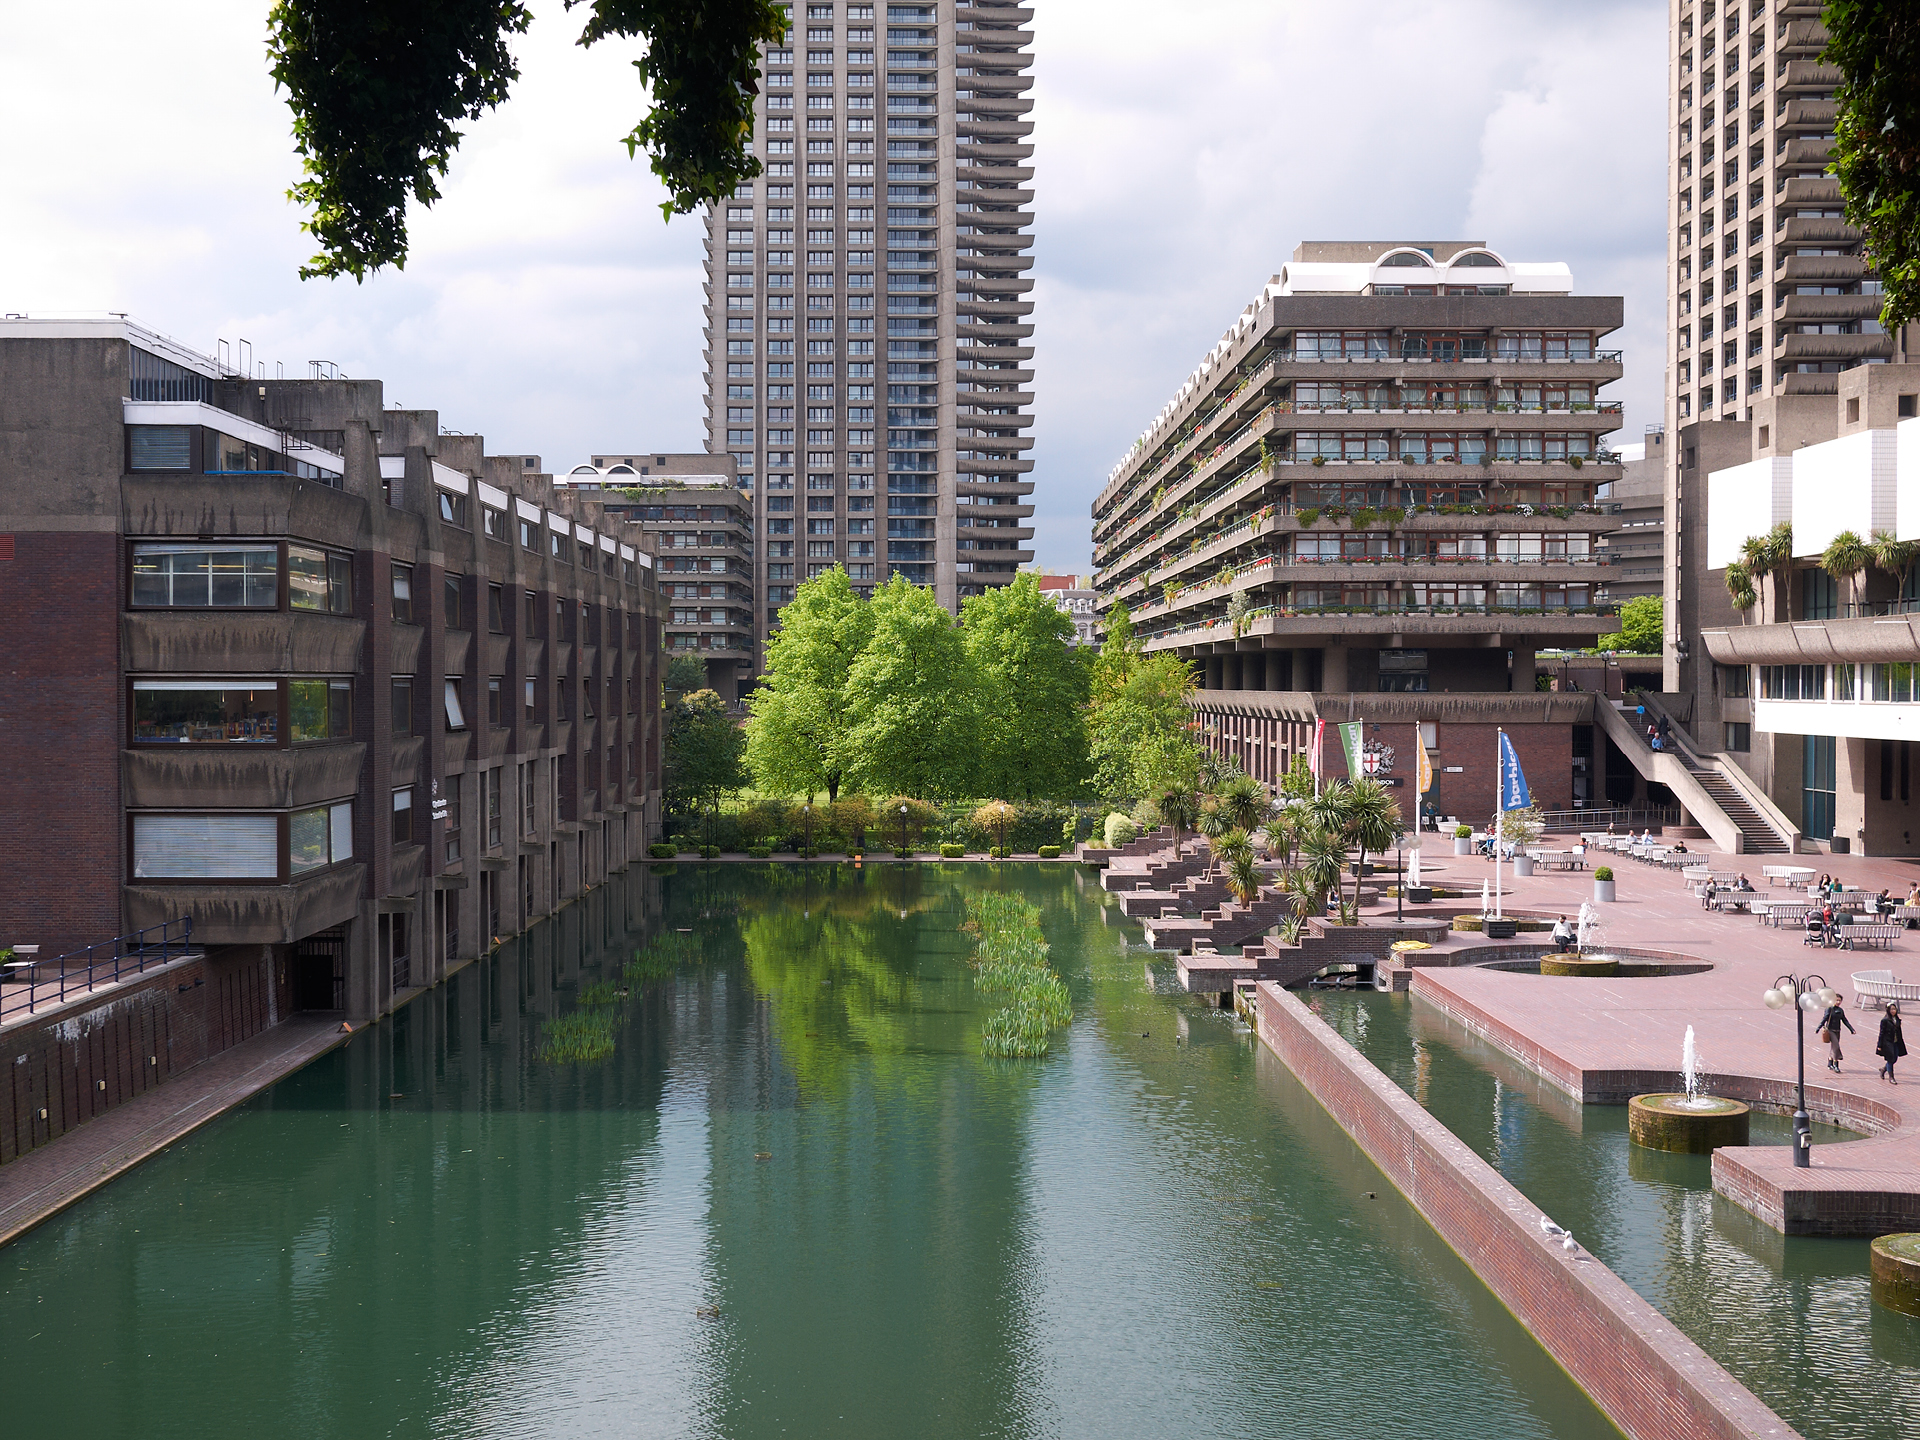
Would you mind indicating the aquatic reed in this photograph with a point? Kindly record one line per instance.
(1010, 958)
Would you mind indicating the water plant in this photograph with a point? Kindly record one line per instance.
(581, 1035)
(1010, 958)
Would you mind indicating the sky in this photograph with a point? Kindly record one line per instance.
(1182, 151)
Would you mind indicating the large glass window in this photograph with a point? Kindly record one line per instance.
(206, 847)
(1817, 780)
(1819, 596)
(236, 577)
(402, 705)
(319, 580)
(1892, 682)
(206, 712)
(403, 816)
(320, 709)
(159, 447)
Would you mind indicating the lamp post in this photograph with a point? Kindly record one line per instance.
(903, 831)
(1806, 993)
(806, 816)
(1400, 888)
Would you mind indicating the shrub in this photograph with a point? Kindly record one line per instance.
(1604, 872)
(920, 818)
(1000, 854)
(762, 820)
(903, 854)
(1463, 832)
(850, 816)
(1049, 852)
(1119, 830)
(951, 851)
(709, 852)
(683, 843)
(662, 851)
(760, 852)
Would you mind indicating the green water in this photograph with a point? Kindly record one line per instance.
(796, 1201)
(1792, 1319)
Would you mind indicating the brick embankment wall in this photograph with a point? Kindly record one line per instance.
(1651, 1380)
(65, 1065)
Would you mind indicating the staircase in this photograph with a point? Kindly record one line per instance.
(1757, 837)
(1702, 786)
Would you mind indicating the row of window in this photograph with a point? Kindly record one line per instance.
(1439, 446)
(1892, 683)
(1443, 345)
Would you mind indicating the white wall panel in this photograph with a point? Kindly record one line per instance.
(1746, 500)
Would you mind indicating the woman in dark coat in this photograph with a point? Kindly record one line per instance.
(1892, 1044)
(1829, 1031)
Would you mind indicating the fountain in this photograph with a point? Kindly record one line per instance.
(1690, 1121)
(1582, 959)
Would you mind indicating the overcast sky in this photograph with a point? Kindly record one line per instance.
(1182, 151)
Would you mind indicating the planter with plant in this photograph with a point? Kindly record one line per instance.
(1463, 839)
(1603, 885)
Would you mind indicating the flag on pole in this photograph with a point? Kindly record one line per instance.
(1513, 784)
(1424, 765)
(1319, 737)
(1351, 741)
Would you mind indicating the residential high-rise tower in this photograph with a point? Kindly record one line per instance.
(867, 336)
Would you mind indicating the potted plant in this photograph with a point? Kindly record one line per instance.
(1463, 839)
(1522, 864)
(1603, 885)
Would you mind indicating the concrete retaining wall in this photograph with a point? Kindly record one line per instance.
(1649, 1378)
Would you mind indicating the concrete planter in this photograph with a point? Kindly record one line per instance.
(1419, 894)
(1603, 892)
(1500, 929)
(1462, 847)
(1523, 865)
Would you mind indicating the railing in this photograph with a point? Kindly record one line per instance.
(1622, 818)
(1287, 612)
(26, 985)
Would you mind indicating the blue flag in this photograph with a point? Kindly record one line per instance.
(1513, 784)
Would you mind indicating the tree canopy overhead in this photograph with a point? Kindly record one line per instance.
(1876, 150)
(379, 87)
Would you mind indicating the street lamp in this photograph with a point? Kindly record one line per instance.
(1806, 994)
(903, 830)
(806, 815)
(1399, 889)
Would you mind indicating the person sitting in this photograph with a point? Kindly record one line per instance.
(1679, 847)
(1743, 884)
(1707, 892)
(1883, 903)
(1562, 933)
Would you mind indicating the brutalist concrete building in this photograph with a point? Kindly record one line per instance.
(1376, 497)
(868, 335)
(346, 691)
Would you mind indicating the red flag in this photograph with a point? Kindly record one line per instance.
(1319, 735)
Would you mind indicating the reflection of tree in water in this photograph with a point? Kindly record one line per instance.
(841, 960)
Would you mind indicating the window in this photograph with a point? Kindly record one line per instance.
(402, 705)
(1739, 736)
(1893, 683)
(450, 601)
(451, 834)
(1735, 681)
(490, 781)
(496, 609)
(319, 837)
(1817, 771)
(526, 536)
(453, 509)
(495, 684)
(493, 523)
(206, 712)
(1795, 682)
(1820, 596)
(533, 624)
(319, 580)
(206, 847)
(527, 815)
(403, 815)
(159, 447)
(403, 594)
(531, 682)
(456, 713)
(230, 577)
(320, 710)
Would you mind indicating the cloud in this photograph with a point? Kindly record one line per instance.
(1181, 153)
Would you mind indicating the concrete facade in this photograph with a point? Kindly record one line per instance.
(1636, 542)
(896, 166)
(348, 692)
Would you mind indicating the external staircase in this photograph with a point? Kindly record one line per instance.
(1728, 806)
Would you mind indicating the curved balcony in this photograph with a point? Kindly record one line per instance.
(1833, 347)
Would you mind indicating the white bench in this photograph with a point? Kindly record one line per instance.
(1852, 937)
(1873, 988)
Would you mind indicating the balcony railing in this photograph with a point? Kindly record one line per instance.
(36, 983)
(1290, 612)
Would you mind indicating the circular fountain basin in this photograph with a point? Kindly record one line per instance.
(1570, 962)
(1690, 1127)
(1896, 1273)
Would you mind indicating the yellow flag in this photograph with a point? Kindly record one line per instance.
(1426, 767)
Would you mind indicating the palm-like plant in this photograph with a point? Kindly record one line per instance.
(1740, 587)
(1243, 877)
(1322, 856)
(1896, 557)
(1372, 823)
(1179, 808)
(1243, 801)
(1283, 832)
(1844, 558)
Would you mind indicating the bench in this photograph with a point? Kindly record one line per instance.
(1778, 915)
(1852, 937)
(1873, 988)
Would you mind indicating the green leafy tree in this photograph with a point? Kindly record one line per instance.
(378, 89)
(1739, 581)
(1297, 783)
(704, 752)
(1033, 692)
(1876, 134)
(1137, 714)
(685, 674)
(796, 740)
(1642, 620)
(913, 705)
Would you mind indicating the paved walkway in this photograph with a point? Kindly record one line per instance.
(1603, 1039)
(49, 1179)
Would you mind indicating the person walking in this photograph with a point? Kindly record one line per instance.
(1830, 1024)
(1892, 1043)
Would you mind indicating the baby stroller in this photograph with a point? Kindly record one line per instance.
(1817, 932)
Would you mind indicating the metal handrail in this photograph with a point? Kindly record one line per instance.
(23, 987)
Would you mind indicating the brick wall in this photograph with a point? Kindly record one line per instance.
(63, 1067)
(61, 714)
(1652, 1381)
(1546, 759)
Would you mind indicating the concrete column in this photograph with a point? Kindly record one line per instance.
(1214, 680)
(1524, 668)
(1302, 677)
(1333, 668)
(1234, 669)
(1253, 672)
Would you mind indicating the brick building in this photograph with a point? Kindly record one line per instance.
(348, 692)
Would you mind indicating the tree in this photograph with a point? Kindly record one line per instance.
(1876, 134)
(377, 88)
(1642, 621)
(1360, 814)
(1033, 691)
(912, 706)
(1895, 557)
(1763, 556)
(704, 749)
(796, 740)
(1740, 587)
(1844, 558)
(1137, 714)
(685, 673)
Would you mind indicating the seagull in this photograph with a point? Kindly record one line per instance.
(1548, 1228)
(1569, 1244)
